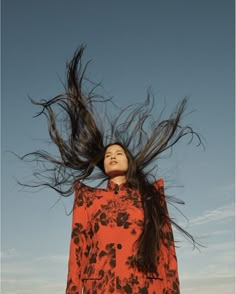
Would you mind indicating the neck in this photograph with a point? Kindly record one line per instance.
(118, 179)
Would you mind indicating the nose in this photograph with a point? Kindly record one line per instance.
(113, 156)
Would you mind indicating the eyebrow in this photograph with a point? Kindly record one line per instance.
(119, 150)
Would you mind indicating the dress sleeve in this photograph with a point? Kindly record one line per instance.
(169, 245)
(79, 244)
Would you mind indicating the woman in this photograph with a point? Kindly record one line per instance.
(107, 223)
(122, 239)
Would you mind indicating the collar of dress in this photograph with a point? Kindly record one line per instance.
(115, 187)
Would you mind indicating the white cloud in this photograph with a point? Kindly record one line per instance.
(26, 275)
(53, 258)
(33, 265)
(216, 215)
(211, 271)
(7, 253)
(33, 286)
(218, 254)
(208, 285)
(217, 233)
(18, 267)
(229, 187)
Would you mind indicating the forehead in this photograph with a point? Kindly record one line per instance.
(114, 148)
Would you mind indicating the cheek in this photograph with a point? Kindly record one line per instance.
(126, 164)
(105, 164)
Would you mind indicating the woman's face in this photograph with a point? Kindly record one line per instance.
(115, 161)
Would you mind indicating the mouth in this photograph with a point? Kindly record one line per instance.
(113, 162)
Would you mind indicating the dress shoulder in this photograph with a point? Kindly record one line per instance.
(86, 194)
(79, 185)
(159, 184)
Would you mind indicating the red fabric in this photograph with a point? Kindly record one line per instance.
(105, 225)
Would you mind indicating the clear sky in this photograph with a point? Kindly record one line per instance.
(179, 48)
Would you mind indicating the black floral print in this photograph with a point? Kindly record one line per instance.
(106, 223)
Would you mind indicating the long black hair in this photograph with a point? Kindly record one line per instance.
(82, 136)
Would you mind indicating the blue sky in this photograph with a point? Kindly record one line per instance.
(178, 48)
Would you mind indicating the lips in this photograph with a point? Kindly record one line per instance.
(113, 162)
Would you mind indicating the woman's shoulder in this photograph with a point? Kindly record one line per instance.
(85, 194)
(78, 185)
(159, 183)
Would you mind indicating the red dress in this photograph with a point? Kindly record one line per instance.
(105, 225)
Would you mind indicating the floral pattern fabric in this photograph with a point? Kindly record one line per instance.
(105, 225)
